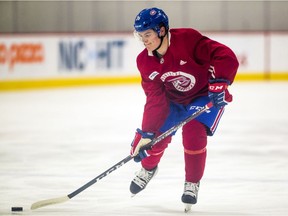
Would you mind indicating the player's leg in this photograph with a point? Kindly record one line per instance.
(149, 166)
(194, 142)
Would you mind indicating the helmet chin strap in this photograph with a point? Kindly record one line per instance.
(155, 53)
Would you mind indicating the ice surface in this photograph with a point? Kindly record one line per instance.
(54, 141)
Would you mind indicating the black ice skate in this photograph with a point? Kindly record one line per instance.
(190, 194)
(141, 180)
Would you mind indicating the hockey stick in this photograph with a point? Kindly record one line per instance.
(52, 201)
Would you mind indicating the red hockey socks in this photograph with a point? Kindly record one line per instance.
(194, 142)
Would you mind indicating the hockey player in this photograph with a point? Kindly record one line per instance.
(181, 71)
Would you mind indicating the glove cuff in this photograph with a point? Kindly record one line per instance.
(212, 81)
(145, 135)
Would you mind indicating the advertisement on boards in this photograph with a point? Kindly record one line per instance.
(46, 56)
(67, 56)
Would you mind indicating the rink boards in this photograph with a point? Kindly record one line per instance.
(56, 60)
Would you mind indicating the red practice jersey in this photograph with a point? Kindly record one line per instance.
(182, 74)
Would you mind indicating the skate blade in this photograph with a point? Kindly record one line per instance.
(187, 208)
(132, 195)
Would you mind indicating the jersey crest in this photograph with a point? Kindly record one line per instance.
(180, 80)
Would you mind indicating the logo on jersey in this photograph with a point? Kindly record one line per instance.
(182, 62)
(181, 81)
(212, 71)
(153, 75)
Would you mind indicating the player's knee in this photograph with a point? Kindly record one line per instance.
(195, 152)
(194, 137)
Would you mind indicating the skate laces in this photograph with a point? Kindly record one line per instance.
(144, 176)
(191, 189)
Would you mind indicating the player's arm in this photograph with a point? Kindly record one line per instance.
(156, 107)
(155, 112)
(223, 68)
(222, 59)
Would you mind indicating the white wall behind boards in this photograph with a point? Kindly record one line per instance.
(46, 56)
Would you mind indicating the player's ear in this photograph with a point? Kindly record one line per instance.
(162, 31)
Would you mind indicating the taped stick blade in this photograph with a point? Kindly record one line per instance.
(47, 202)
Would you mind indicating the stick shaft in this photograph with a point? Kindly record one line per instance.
(99, 177)
(153, 142)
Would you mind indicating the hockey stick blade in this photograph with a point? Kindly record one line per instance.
(47, 202)
(53, 201)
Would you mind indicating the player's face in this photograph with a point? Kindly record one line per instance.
(150, 39)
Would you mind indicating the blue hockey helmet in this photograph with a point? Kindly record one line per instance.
(151, 18)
